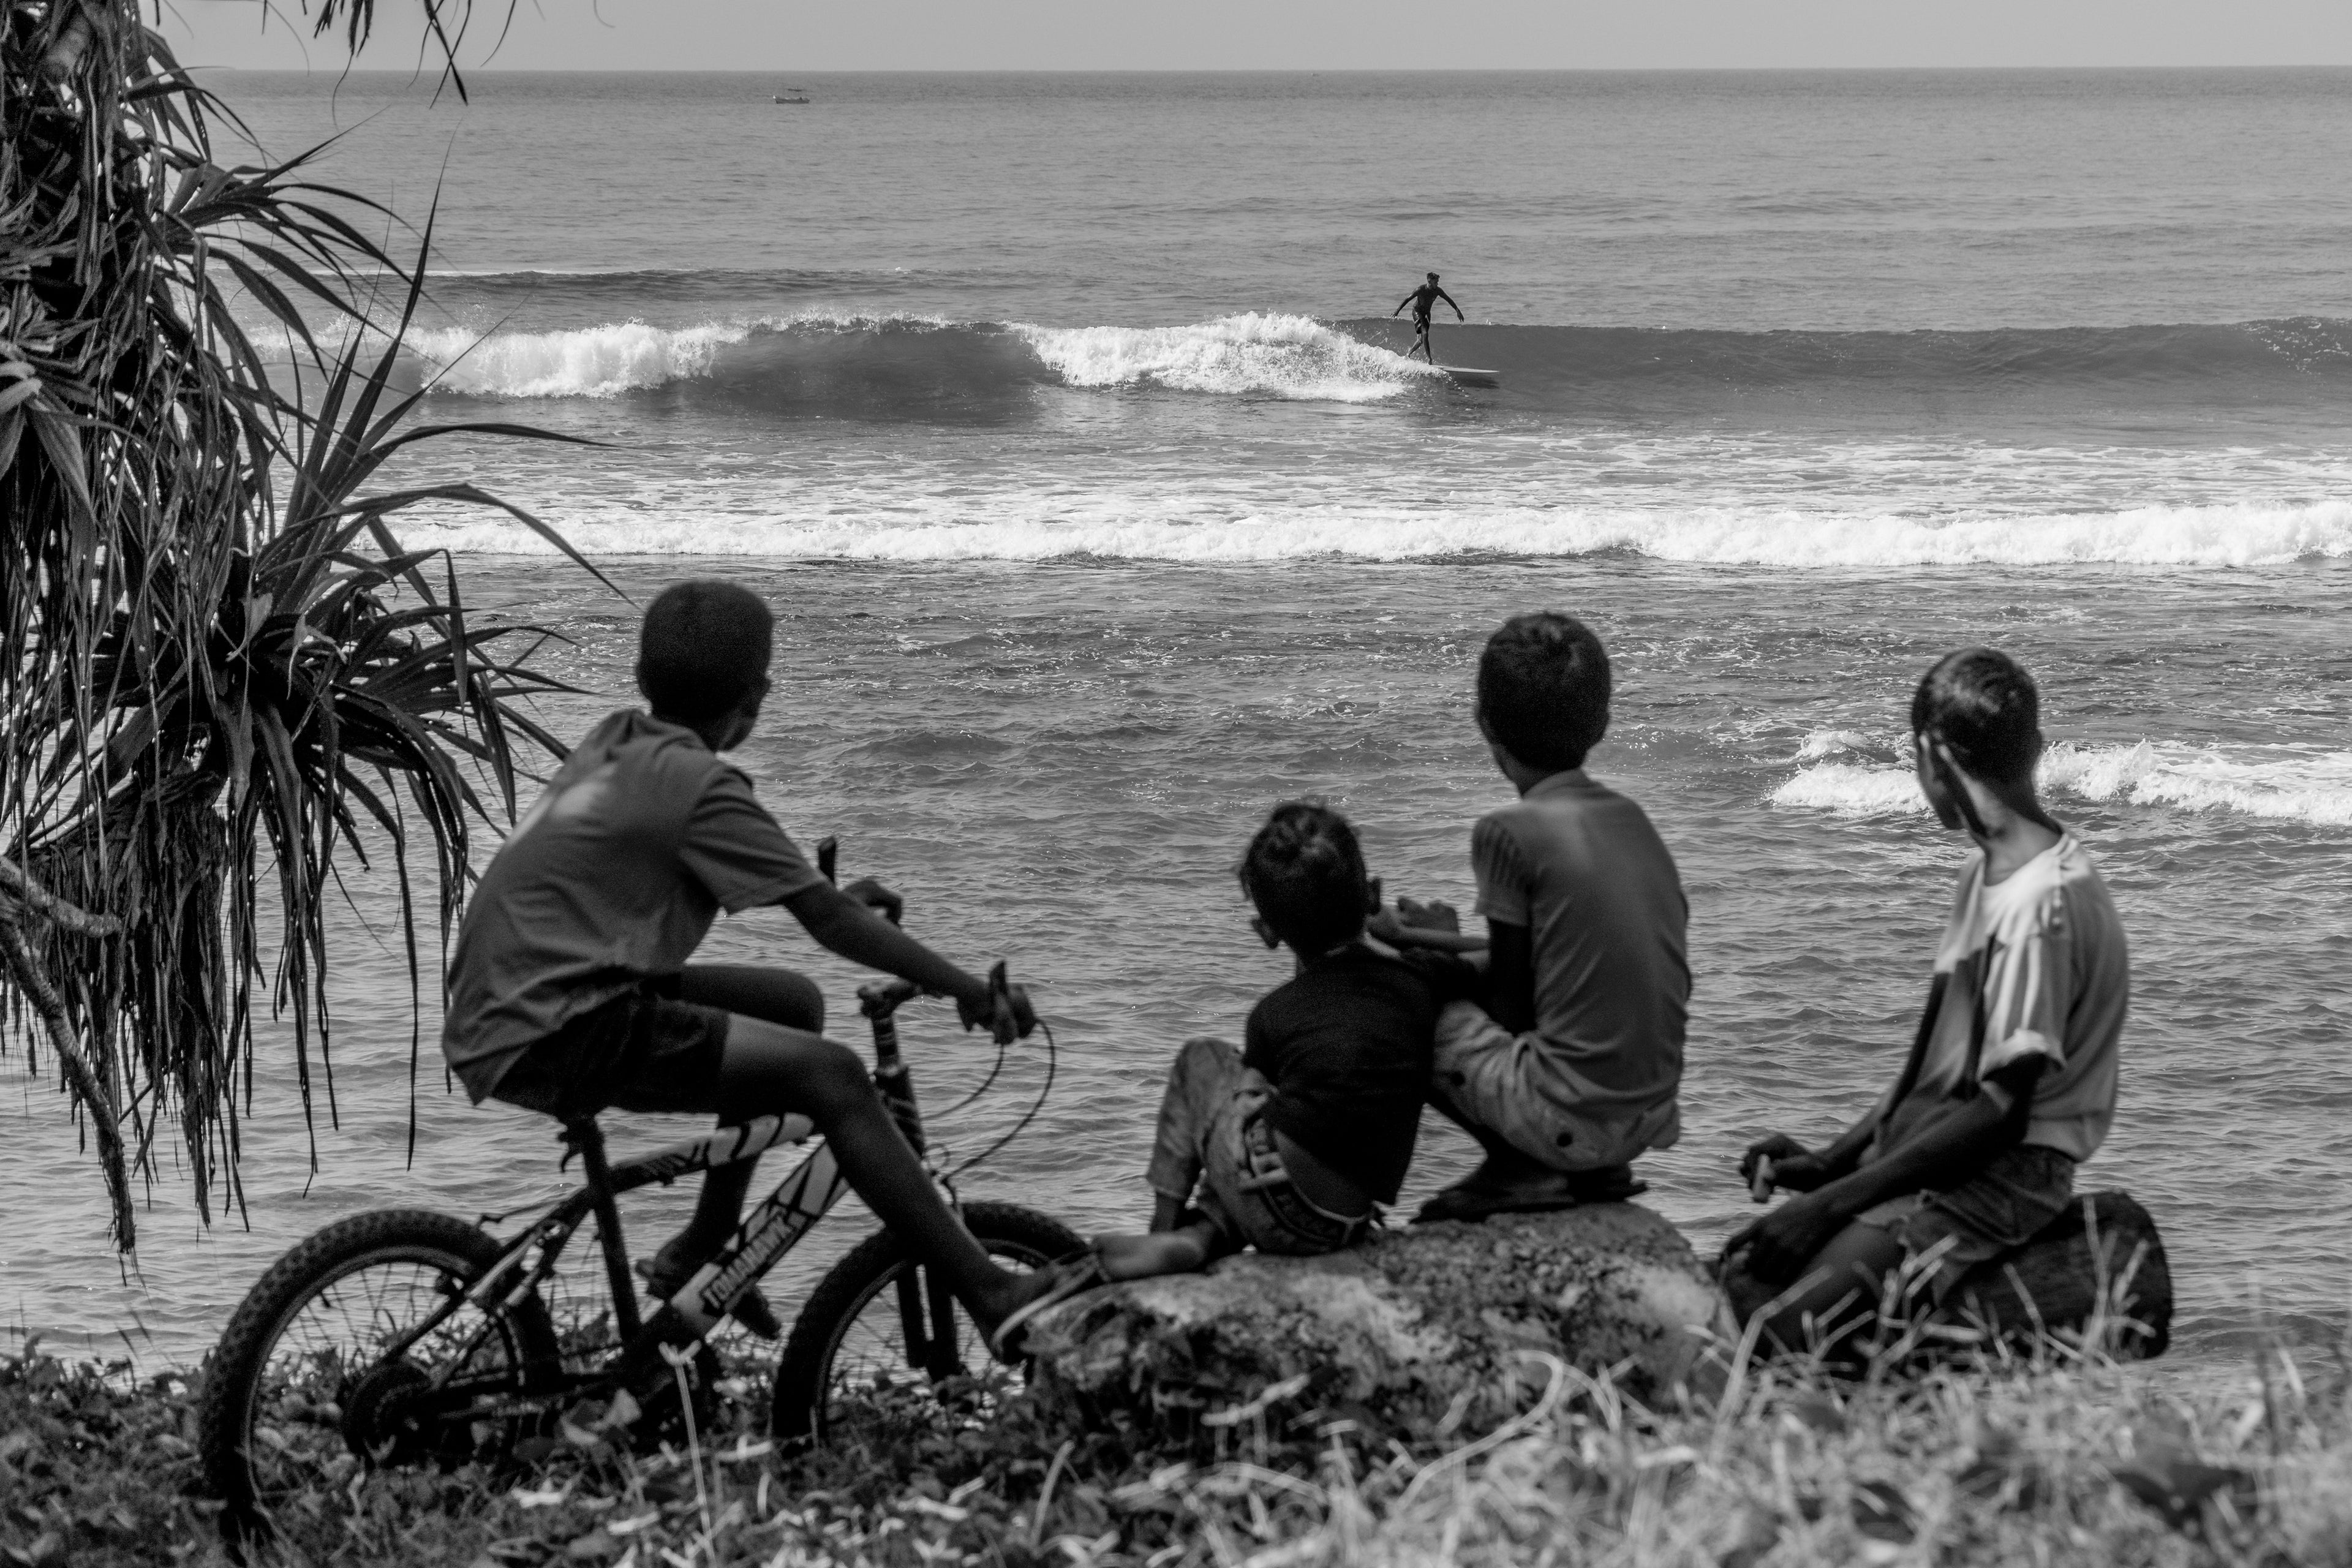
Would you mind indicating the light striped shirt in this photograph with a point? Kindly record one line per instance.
(2033, 964)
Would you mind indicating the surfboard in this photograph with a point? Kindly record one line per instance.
(1463, 375)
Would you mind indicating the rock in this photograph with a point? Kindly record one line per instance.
(1422, 1330)
(2109, 1257)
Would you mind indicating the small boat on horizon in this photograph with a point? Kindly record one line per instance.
(792, 95)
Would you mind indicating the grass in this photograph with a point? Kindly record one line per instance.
(2051, 1461)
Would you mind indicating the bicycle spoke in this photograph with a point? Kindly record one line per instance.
(333, 1341)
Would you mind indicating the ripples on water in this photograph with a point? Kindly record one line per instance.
(1061, 764)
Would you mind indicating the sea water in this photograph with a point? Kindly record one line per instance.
(1064, 423)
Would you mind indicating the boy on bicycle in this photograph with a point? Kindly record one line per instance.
(569, 990)
(2011, 1079)
(1289, 1145)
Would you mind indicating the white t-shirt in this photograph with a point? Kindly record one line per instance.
(2034, 965)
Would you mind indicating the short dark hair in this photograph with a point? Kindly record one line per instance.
(1543, 689)
(1305, 872)
(703, 649)
(1985, 709)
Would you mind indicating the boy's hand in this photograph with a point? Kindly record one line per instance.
(1411, 915)
(1784, 1151)
(1007, 1013)
(876, 896)
(1779, 1244)
(1434, 915)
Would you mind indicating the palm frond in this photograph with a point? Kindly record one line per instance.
(222, 664)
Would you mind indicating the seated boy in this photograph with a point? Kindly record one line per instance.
(1572, 1066)
(570, 989)
(1289, 1145)
(2012, 1077)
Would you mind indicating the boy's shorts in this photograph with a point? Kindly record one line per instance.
(642, 1051)
(1487, 1077)
(1992, 1214)
(1212, 1130)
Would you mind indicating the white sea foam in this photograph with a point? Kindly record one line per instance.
(1852, 789)
(2287, 783)
(1836, 743)
(876, 523)
(1254, 354)
(590, 362)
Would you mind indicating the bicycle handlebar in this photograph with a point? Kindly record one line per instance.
(877, 999)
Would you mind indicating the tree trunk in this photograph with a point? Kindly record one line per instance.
(1423, 1331)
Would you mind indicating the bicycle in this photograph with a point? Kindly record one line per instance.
(449, 1355)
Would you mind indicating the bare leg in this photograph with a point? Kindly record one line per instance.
(773, 997)
(1832, 1303)
(1180, 1249)
(769, 1070)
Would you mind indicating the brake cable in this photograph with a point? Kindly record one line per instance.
(1053, 1055)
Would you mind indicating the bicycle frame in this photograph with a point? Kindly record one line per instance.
(807, 1193)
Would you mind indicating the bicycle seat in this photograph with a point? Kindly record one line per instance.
(583, 1136)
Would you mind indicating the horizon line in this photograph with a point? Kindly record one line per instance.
(491, 69)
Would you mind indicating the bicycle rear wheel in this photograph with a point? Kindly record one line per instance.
(880, 1348)
(300, 1392)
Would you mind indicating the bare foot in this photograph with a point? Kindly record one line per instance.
(1182, 1251)
(1004, 1317)
(1016, 1292)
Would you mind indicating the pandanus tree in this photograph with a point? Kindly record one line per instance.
(222, 678)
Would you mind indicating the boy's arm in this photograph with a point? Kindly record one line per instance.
(1511, 997)
(1433, 925)
(1799, 1169)
(1941, 1154)
(1506, 897)
(843, 925)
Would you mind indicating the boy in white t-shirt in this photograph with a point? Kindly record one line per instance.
(2012, 1081)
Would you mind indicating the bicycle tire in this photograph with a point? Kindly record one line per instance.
(803, 1408)
(240, 1386)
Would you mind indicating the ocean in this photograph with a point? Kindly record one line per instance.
(1064, 422)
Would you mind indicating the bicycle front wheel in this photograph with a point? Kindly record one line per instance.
(881, 1348)
(302, 1390)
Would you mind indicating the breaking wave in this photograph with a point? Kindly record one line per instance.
(1266, 355)
(858, 361)
(851, 364)
(2283, 784)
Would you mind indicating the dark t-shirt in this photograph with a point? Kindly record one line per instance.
(1345, 1045)
(612, 879)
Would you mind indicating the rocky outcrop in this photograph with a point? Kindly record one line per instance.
(1422, 1330)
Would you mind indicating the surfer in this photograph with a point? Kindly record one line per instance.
(1424, 299)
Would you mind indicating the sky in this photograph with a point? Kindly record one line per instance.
(1297, 35)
